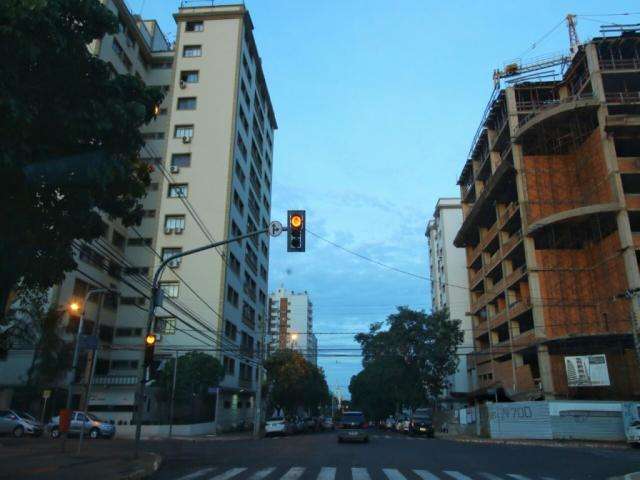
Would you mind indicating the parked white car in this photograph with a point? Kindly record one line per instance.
(277, 426)
(633, 433)
(19, 423)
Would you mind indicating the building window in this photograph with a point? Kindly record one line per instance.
(183, 131)
(174, 222)
(124, 364)
(238, 202)
(170, 252)
(242, 147)
(235, 229)
(195, 26)
(138, 242)
(230, 330)
(229, 365)
(187, 103)
(178, 190)
(181, 160)
(242, 178)
(128, 332)
(118, 239)
(243, 120)
(171, 289)
(190, 76)
(232, 296)
(192, 51)
(166, 325)
(234, 264)
(162, 65)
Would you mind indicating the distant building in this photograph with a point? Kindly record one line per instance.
(449, 283)
(291, 323)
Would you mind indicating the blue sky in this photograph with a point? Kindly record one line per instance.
(377, 103)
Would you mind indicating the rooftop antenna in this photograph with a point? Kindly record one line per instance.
(574, 41)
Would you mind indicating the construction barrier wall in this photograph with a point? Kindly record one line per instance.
(558, 420)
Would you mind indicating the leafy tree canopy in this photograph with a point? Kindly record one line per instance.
(69, 131)
(425, 342)
(197, 371)
(293, 382)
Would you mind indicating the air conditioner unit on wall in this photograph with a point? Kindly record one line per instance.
(174, 263)
(179, 231)
(174, 169)
(183, 84)
(186, 139)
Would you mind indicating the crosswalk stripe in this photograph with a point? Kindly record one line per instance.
(457, 475)
(490, 476)
(327, 473)
(197, 474)
(360, 474)
(261, 474)
(425, 475)
(517, 477)
(393, 474)
(228, 474)
(293, 474)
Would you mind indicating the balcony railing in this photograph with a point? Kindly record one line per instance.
(537, 107)
(493, 261)
(115, 380)
(519, 307)
(511, 242)
(508, 212)
(474, 277)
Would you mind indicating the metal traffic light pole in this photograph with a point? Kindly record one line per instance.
(274, 229)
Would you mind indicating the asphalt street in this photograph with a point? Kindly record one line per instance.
(385, 457)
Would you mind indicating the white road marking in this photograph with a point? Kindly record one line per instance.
(457, 475)
(197, 474)
(228, 474)
(327, 473)
(293, 474)
(393, 474)
(261, 474)
(517, 477)
(425, 475)
(490, 476)
(360, 474)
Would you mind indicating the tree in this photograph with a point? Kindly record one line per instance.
(197, 371)
(39, 325)
(69, 130)
(426, 342)
(293, 382)
(385, 386)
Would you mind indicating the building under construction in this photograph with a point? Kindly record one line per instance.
(551, 204)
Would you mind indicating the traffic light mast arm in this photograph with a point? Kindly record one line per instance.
(152, 307)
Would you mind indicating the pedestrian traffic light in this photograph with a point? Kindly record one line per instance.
(149, 347)
(295, 230)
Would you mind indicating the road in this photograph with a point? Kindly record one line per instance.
(385, 457)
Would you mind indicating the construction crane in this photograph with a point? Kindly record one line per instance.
(515, 68)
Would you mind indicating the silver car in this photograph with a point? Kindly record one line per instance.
(19, 423)
(93, 426)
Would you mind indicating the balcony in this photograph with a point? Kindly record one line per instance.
(506, 215)
(115, 380)
(475, 253)
(475, 277)
(493, 261)
(622, 97)
(511, 242)
(498, 319)
(514, 276)
(242, 383)
(519, 307)
(489, 235)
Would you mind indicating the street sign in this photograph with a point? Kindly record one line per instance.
(275, 228)
(88, 342)
(46, 394)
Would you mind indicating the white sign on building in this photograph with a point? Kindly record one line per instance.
(587, 371)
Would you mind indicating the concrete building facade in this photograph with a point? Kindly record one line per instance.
(291, 323)
(551, 215)
(449, 284)
(210, 150)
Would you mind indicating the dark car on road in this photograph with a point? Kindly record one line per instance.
(353, 427)
(421, 422)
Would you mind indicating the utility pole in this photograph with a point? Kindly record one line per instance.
(156, 300)
(257, 422)
(173, 393)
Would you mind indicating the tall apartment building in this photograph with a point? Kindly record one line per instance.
(291, 323)
(552, 227)
(211, 150)
(449, 285)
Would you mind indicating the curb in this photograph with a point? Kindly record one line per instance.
(145, 471)
(548, 444)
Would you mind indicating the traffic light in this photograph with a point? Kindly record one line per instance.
(149, 347)
(295, 230)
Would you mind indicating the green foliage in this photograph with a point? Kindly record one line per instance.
(69, 130)
(38, 325)
(416, 346)
(293, 382)
(197, 371)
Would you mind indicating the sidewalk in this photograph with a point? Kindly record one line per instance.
(226, 437)
(541, 443)
(99, 460)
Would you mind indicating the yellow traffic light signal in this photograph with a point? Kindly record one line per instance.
(150, 339)
(296, 231)
(149, 348)
(296, 221)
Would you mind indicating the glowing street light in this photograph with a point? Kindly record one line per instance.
(74, 307)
